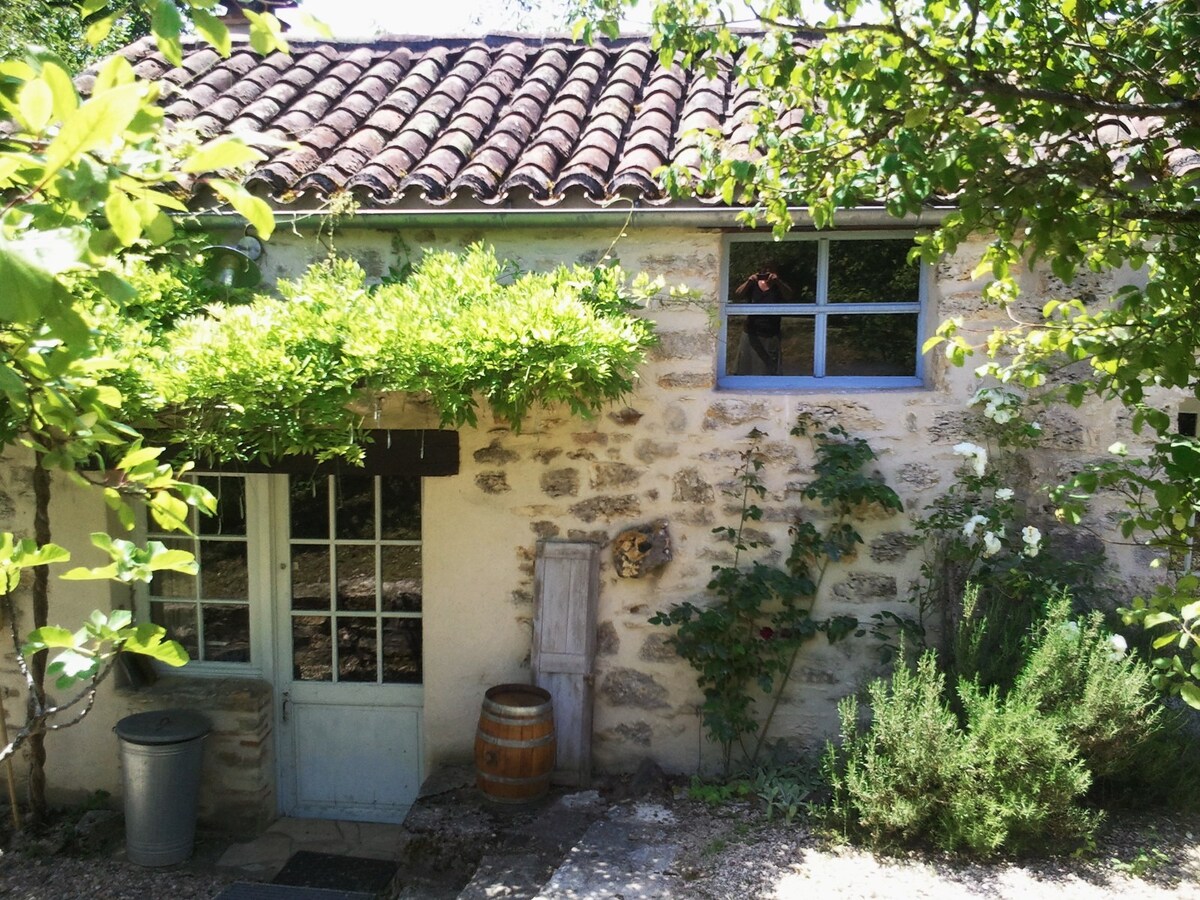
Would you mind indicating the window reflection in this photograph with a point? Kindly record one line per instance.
(872, 272)
(312, 648)
(402, 651)
(357, 645)
(871, 345)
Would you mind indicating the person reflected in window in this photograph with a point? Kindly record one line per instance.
(759, 351)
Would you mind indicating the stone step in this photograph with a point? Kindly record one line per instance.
(252, 890)
(509, 876)
(627, 854)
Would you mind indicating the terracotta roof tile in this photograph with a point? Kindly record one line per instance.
(457, 117)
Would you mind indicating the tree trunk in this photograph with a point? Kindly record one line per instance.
(37, 668)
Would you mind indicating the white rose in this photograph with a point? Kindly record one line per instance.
(974, 454)
(991, 543)
(972, 523)
(1118, 647)
(1004, 494)
(1033, 540)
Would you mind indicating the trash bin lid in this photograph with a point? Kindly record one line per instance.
(163, 726)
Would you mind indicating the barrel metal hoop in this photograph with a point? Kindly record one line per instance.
(502, 720)
(518, 712)
(501, 779)
(487, 738)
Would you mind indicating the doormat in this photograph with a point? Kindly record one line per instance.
(339, 873)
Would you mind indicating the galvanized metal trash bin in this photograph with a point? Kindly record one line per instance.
(160, 758)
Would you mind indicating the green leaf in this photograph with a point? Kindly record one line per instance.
(96, 123)
(1158, 618)
(99, 29)
(82, 573)
(137, 457)
(223, 153)
(174, 561)
(255, 210)
(36, 102)
(123, 217)
(213, 30)
(1190, 693)
(62, 90)
(51, 636)
(166, 24)
(29, 291)
(71, 666)
(147, 640)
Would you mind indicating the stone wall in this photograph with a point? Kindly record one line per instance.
(237, 775)
(667, 452)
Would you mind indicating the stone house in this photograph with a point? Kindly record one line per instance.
(546, 150)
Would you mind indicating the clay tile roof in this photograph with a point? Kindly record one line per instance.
(480, 121)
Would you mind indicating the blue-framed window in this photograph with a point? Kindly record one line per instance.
(822, 310)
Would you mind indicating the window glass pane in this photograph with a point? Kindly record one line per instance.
(356, 649)
(226, 632)
(224, 571)
(402, 651)
(355, 506)
(230, 518)
(872, 272)
(308, 503)
(400, 511)
(310, 577)
(879, 345)
(794, 264)
(174, 584)
(770, 345)
(180, 621)
(312, 648)
(401, 579)
(356, 578)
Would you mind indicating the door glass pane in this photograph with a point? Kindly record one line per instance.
(872, 345)
(356, 578)
(312, 648)
(872, 272)
(308, 504)
(401, 579)
(224, 570)
(174, 584)
(770, 345)
(356, 649)
(230, 518)
(402, 651)
(400, 510)
(180, 621)
(310, 577)
(226, 633)
(794, 264)
(355, 506)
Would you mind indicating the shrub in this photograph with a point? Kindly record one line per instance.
(988, 770)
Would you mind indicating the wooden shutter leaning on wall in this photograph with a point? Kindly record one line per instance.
(566, 591)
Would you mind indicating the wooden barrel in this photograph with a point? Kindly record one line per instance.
(514, 743)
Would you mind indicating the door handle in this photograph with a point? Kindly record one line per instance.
(287, 698)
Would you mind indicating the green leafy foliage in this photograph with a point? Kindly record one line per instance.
(83, 179)
(286, 374)
(989, 770)
(745, 643)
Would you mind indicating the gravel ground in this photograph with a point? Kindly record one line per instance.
(726, 853)
(732, 854)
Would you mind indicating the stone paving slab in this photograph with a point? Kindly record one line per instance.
(622, 855)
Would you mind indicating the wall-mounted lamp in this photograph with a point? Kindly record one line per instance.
(233, 266)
